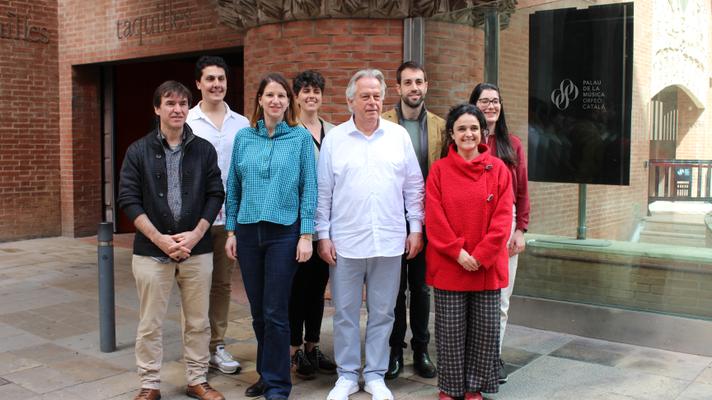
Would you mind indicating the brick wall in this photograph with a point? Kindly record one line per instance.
(51, 184)
(693, 136)
(29, 151)
(335, 47)
(100, 34)
(454, 60)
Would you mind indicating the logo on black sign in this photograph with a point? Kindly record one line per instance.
(565, 94)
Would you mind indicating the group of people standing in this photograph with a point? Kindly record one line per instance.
(307, 202)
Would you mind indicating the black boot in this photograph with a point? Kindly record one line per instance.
(395, 364)
(256, 390)
(320, 361)
(502, 373)
(423, 365)
(302, 367)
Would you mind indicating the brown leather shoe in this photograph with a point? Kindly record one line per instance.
(203, 391)
(148, 394)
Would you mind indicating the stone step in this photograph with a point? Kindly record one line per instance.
(672, 238)
(696, 228)
(689, 218)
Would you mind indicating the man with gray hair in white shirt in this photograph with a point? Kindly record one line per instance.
(370, 186)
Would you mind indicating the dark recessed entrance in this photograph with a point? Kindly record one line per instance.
(128, 110)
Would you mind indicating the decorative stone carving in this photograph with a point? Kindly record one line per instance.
(245, 14)
(680, 47)
(270, 11)
(240, 14)
(303, 9)
(389, 9)
(429, 7)
(346, 9)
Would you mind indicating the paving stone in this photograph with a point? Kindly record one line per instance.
(21, 340)
(125, 361)
(41, 379)
(696, 391)
(109, 387)
(90, 343)
(518, 357)
(13, 391)
(87, 369)
(50, 285)
(22, 300)
(243, 351)
(550, 377)
(593, 351)
(705, 376)
(534, 340)
(7, 331)
(42, 324)
(61, 394)
(125, 396)
(36, 356)
(666, 363)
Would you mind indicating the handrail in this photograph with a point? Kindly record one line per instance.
(680, 180)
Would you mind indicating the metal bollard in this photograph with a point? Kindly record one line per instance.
(107, 321)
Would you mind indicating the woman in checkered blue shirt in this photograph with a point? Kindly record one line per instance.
(270, 206)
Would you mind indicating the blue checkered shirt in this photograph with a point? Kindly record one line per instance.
(272, 179)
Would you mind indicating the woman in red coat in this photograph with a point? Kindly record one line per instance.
(508, 148)
(468, 214)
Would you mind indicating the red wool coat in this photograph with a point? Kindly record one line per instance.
(468, 205)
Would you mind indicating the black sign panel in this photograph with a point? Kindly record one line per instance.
(580, 70)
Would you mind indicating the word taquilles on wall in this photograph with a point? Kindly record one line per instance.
(166, 19)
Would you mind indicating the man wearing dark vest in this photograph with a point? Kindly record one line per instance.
(426, 132)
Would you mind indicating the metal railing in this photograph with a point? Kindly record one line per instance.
(680, 180)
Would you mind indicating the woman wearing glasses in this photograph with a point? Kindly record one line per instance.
(468, 213)
(508, 148)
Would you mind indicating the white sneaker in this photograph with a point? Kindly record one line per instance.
(378, 390)
(222, 360)
(342, 389)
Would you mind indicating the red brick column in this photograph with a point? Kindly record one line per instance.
(81, 155)
(335, 47)
(454, 60)
(29, 148)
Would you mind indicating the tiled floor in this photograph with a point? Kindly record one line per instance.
(49, 344)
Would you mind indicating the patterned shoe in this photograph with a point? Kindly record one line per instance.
(321, 362)
(301, 366)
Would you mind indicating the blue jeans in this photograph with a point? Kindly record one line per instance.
(267, 261)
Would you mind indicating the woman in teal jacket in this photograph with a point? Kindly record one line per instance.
(271, 200)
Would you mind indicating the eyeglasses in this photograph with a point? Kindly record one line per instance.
(486, 102)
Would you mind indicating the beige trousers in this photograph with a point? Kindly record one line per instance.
(220, 290)
(154, 282)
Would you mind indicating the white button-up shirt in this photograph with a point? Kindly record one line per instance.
(364, 184)
(222, 139)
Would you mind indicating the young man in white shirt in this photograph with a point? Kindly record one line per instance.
(367, 172)
(213, 120)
